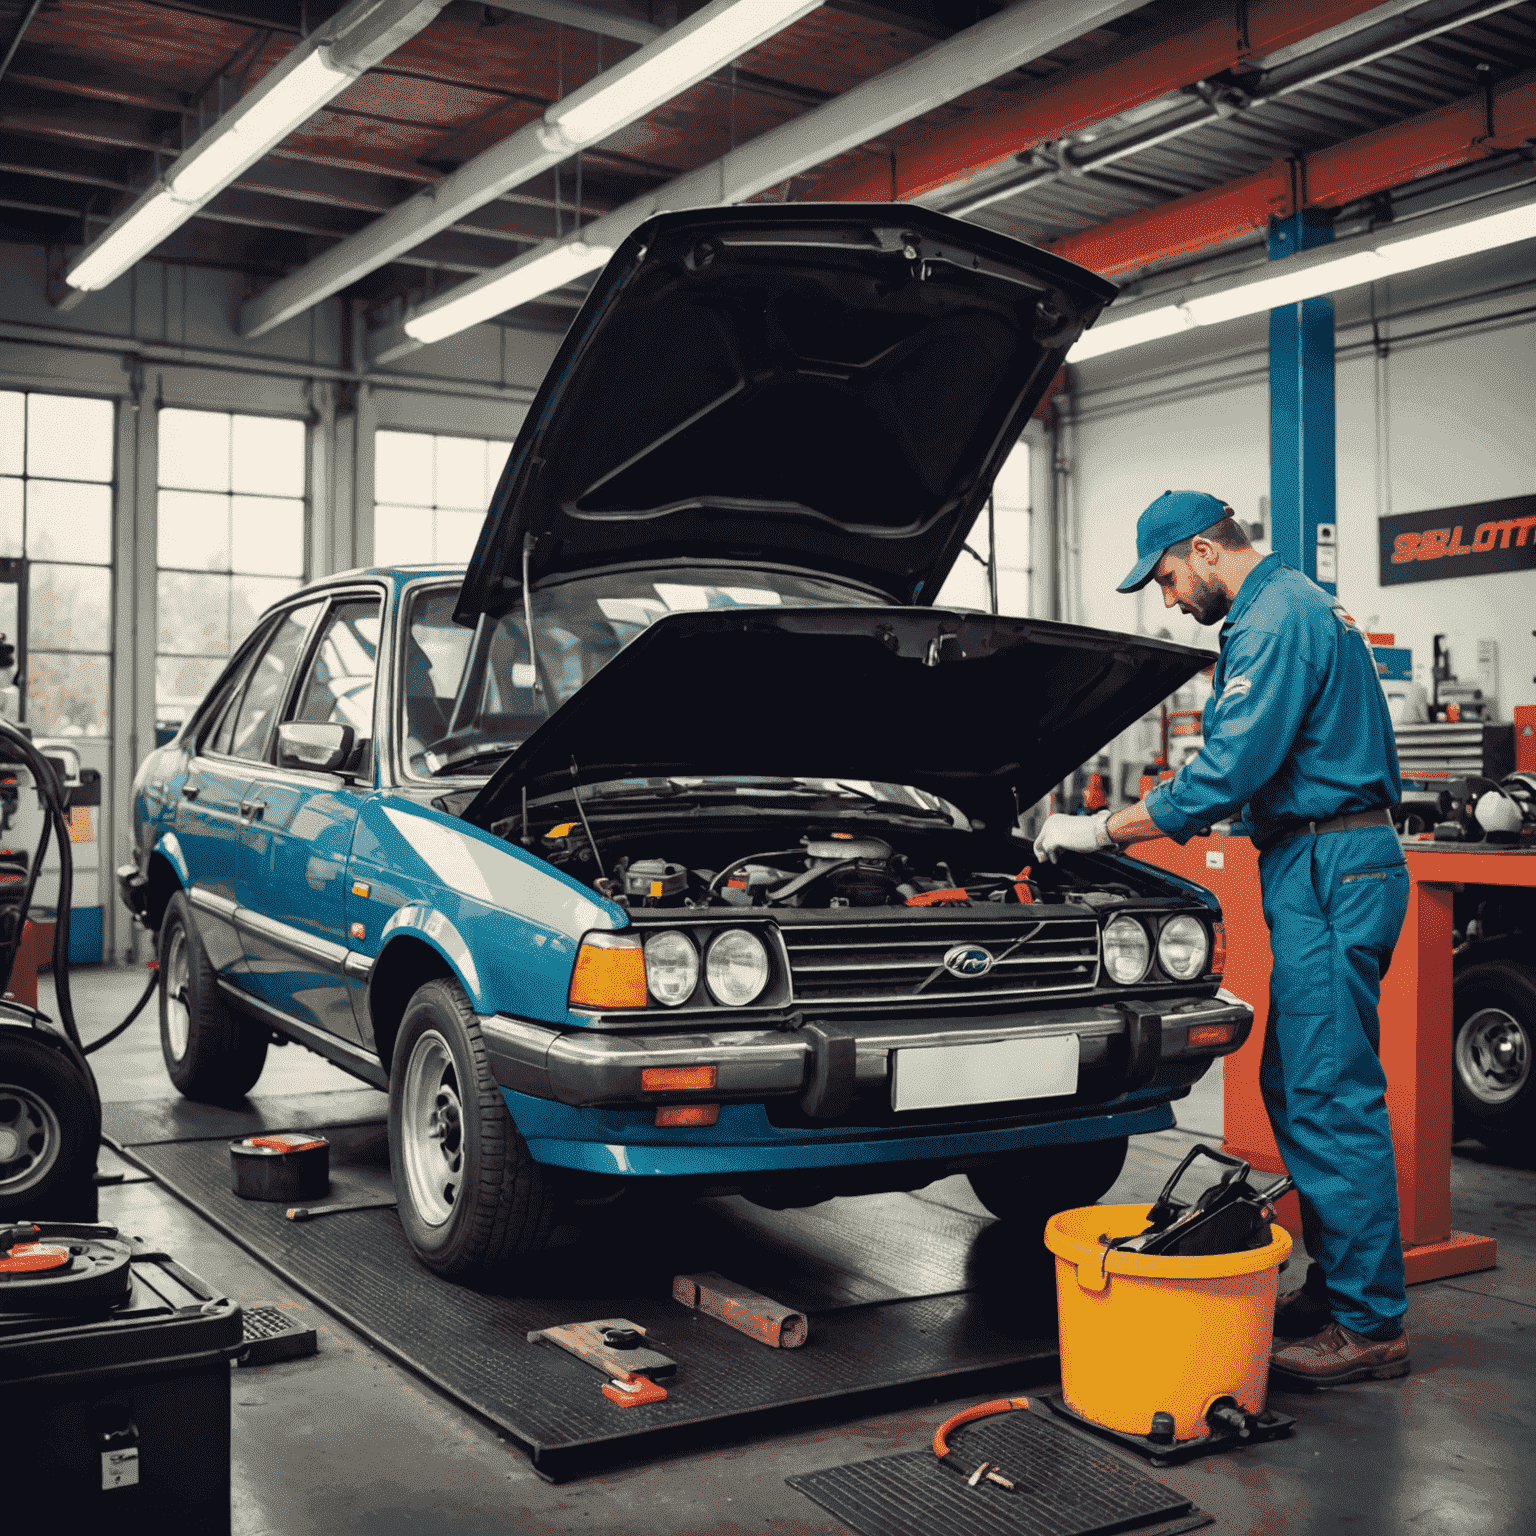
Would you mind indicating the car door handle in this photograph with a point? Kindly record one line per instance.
(253, 808)
(190, 791)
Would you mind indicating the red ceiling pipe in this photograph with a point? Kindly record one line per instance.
(1208, 39)
(1375, 162)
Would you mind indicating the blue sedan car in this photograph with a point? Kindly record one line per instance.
(673, 843)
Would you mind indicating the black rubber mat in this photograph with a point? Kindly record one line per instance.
(863, 1356)
(143, 1123)
(1063, 1486)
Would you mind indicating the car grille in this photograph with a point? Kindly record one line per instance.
(882, 961)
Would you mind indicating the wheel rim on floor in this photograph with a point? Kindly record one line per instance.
(432, 1129)
(30, 1139)
(1493, 1056)
(178, 1019)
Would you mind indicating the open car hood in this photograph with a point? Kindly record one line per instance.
(833, 386)
(973, 707)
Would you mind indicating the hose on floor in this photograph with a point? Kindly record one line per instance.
(138, 1008)
(988, 1470)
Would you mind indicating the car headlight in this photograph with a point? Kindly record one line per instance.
(1127, 950)
(736, 967)
(671, 967)
(1182, 948)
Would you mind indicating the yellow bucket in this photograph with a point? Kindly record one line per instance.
(1143, 1333)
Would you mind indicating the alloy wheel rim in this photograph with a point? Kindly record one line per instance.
(432, 1130)
(30, 1139)
(178, 1013)
(1493, 1055)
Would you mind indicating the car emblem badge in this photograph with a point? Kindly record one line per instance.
(968, 960)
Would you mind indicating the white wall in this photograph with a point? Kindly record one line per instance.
(1438, 421)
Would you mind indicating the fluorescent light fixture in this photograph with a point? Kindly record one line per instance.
(1321, 271)
(124, 243)
(680, 58)
(541, 271)
(235, 143)
(221, 155)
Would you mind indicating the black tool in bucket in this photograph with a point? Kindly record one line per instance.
(1229, 1217)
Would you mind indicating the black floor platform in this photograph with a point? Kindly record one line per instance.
(908, 1301)
(1063, 1486)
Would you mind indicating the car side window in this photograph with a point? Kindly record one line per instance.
(216, 729)
(268, 687)
(339, 687)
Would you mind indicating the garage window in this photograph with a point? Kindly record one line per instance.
(968, 585)
(431, 494)
(232, 514)
(56, 476)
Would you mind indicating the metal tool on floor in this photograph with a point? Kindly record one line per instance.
(311, 1212)
(747, 1311)
(613, 1345)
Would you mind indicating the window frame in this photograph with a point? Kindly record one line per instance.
(337, 598)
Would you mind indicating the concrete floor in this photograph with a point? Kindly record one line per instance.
(350, 1442)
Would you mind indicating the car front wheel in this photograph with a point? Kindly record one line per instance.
(211, 1052)
(472, 1199)
(1494, 1055)
(1030, 1186)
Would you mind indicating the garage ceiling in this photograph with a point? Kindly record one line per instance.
(98, 97)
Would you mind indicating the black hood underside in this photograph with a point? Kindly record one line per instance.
(973, 707)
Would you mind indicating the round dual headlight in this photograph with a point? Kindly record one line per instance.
(736, 967)
(1182, 948)
(671, 968)
(1127, 951)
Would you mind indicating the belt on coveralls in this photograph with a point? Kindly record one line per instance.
(1349, 822)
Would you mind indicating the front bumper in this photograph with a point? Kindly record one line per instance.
(825, 1063)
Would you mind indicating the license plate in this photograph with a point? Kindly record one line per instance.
(993, 1072)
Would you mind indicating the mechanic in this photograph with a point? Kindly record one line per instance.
(1298, 739)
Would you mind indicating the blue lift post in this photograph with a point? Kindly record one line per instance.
(1303, 523)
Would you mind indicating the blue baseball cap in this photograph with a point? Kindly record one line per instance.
(1175, 515)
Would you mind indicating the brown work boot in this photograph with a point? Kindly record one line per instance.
(1337, 1355)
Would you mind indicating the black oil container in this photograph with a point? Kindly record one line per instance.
(122, 1415)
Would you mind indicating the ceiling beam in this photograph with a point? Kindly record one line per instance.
(1343, 173)
(1204, 41)
(586, 18)
(19, 31)
(537, 147)
(965, 62)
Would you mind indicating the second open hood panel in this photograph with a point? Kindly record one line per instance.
(970, 706)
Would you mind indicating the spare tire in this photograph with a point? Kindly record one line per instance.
(1493, 1055)
(50, 1124)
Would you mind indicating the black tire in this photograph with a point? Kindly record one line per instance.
(1493, 1055)
(472, 1199)
(212, 1054)
(1030, 1186)
(50, 1125)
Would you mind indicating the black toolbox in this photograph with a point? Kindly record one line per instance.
(123, 1414)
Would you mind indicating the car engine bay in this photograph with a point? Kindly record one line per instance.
(825, 869)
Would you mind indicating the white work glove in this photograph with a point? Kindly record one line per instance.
(1077, 834)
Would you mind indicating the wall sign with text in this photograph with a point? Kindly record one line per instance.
(1475, 540)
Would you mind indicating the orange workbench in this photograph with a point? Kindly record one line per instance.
(1415, 1030)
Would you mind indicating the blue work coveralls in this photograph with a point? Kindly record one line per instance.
(1297, 730)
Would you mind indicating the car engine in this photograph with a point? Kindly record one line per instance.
(825, 869)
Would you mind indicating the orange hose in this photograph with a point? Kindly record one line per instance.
(967, 1415)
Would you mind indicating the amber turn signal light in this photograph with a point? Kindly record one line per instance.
(688, 1114)
(1211, 1034)
(610, 972)
(1218, 950)
(678, 1080)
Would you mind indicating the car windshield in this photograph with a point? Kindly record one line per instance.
(468, 697)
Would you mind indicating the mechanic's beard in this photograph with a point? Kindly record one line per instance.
(1208, 604)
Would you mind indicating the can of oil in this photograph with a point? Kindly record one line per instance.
(285, 1165)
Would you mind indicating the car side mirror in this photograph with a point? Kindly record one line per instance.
(323, 747)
